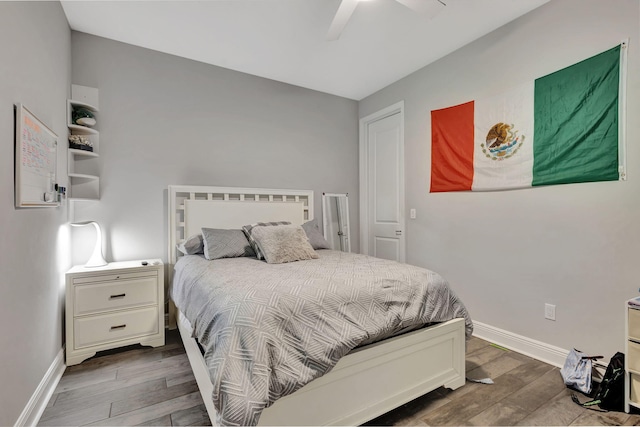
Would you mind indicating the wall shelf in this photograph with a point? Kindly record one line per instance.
(86, 153)
(84, 187)
(81, 130)
(83, 176)
(82, 165)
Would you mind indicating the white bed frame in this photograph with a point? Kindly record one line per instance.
(367, 382)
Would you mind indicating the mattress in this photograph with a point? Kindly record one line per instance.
(269, 329)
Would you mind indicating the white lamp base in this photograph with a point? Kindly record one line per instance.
(96, 263)
(96, 259)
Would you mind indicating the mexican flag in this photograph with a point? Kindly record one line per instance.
(561, 128)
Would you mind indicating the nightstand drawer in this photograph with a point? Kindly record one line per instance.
(633, 356)
(634, 324)
(93, 330)
(112, 276)
(634, 388)
(117, 295)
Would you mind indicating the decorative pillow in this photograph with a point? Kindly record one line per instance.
(248, 231)
(316, 238)
(225, 244)
(192, 246)
(286, 243)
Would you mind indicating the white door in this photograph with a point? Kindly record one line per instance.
(385, 184)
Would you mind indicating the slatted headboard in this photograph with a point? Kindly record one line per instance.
(192, 207)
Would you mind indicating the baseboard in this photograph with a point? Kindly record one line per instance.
(538, 350)
(35, 407)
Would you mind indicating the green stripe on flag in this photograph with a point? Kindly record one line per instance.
(576, 122)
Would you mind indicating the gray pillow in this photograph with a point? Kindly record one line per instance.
(286, 243)
(248, 231)
(192, 246)
(316, 238)
(225, 244)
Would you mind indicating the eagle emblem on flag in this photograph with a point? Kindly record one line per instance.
(502, 142)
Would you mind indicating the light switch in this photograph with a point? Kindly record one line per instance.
(412, 214)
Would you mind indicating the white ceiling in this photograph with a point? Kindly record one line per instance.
(285, 40)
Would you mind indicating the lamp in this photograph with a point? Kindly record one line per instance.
(96, 260)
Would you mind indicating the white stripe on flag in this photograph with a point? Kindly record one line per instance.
(512, 165)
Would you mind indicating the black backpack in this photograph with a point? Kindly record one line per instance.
(610, 394)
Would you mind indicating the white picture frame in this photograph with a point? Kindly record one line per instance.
(35, 167)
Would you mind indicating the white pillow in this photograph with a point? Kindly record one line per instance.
(285, 243)
(248, 231)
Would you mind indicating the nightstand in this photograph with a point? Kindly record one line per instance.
(116, 305)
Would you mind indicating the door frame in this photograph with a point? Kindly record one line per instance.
(398, 107)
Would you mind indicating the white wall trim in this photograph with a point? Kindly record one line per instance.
(538, 350)
(31, 413)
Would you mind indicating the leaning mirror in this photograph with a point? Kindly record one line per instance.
(335, 220)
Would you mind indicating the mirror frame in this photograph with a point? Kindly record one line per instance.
(345, 235)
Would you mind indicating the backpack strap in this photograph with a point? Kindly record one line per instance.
(592, 404)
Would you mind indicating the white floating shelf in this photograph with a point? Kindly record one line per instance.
(82, 176)
(82, 130)
(83, 186)
(89, 107)
(77, 152)
(83, 199)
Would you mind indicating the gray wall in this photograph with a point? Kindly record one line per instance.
(168, 120)
(35, 48)
(507, 253)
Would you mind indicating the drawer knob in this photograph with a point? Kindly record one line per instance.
(113, 328)
(117, 296)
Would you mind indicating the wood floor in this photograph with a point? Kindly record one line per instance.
(155, 386)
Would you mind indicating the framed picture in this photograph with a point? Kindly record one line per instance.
(36, 154)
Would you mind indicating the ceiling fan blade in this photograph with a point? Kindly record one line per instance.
(345, 10)
(427, 8)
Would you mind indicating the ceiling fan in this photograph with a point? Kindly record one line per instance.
(428, 8)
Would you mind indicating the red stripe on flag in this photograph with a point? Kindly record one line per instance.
(452, 148)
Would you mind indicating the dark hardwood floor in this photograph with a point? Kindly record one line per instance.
(525, 392)
(129, 386)
(155, 386)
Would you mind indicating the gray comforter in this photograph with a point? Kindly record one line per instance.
(267, 329)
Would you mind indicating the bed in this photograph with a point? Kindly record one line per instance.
(351, 381)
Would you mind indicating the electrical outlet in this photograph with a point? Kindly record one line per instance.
(550, 311)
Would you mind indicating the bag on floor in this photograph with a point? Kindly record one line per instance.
(610, 394)
(577, 370)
